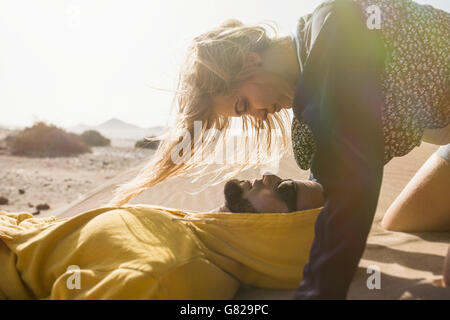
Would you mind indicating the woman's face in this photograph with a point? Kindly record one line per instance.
(259, 96)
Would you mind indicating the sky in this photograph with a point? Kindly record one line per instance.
(86, 61)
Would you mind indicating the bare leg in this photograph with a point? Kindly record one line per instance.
(424, 204)
(446, 270)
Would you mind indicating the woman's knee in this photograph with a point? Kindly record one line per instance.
(423, 205)
(446, 271)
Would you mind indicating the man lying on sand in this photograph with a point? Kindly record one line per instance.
(151, 252)
(134, 252)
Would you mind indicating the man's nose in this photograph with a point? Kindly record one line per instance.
(270, 179)
(246, 185)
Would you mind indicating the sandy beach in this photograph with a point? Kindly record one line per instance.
(409, 263)
(57, 182)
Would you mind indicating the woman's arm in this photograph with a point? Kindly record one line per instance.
(342, 100)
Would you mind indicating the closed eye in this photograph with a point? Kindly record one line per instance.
(240, 107)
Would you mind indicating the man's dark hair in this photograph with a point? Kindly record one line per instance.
(233, 198)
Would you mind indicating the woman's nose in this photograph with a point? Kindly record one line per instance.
(260, 114)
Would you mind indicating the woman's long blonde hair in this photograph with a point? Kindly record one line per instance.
(215, 64)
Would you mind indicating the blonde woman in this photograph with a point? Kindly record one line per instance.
(365, 79)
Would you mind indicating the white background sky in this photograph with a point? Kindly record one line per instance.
(85, 61)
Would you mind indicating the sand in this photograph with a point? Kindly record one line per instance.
(409, 263)
(59, 182)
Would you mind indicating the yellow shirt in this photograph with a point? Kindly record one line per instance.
(147, 252)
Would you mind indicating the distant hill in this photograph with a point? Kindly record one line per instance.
(80, 128)
(117, 124)
(118, 129)
(7, 127)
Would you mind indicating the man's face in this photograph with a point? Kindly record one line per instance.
(265, 196)
(262, 194)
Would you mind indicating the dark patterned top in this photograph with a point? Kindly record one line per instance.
(416, 78)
